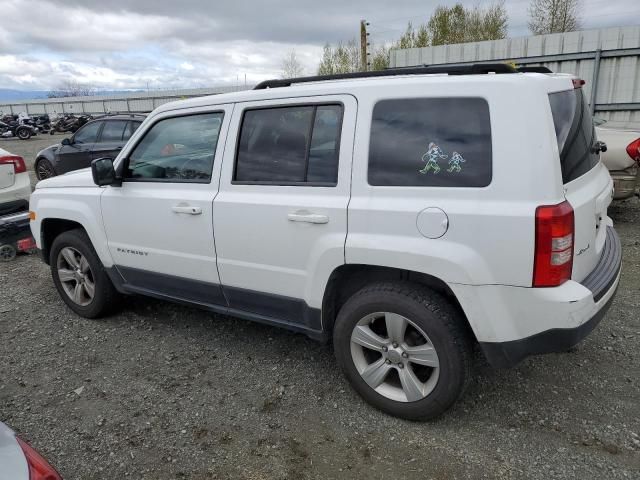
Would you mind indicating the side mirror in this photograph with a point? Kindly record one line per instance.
(65, 141)
(103, 172)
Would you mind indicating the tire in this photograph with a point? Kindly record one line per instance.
(23, 133)
(104, 294)
(44, 169)
(7, 252)
(429, 317)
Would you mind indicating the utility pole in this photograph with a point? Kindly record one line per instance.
(364, 42)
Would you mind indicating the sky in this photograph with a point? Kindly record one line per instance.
(155, 44)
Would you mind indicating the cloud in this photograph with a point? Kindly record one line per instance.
(191, 43)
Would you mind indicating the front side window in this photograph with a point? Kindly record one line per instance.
(430, 142)
(113, 130)
(290, 145)
(88, 133)
(179, 149)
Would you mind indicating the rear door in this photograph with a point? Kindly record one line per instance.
(78, 154)
(110, 141)
(280, 217)
(588, 186)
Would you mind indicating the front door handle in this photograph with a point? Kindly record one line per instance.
(187, 209)
(307, 217)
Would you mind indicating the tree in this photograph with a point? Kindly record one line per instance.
(380, 58)
(291, 66)
(554, 16)
(412, 38)
(72, 88)
(487, 24)
(446, 25)
(343, 58)
(457, 24)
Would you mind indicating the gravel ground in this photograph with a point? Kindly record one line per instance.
(162, 391)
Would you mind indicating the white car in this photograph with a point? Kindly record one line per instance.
(15, 185)
(19, 461)
(622, 157)
(405, 215)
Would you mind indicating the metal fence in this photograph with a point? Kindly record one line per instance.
(130, 102)
(608, 59)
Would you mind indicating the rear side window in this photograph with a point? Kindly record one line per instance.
(575, 133)
(431, 142)
(296, 145)
(113, 130)
(131, 127)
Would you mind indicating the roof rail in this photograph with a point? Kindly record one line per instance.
(472, 69)
(534, 69)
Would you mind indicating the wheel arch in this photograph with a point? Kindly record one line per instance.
(50, 229)
(48, 158)
(347, 279)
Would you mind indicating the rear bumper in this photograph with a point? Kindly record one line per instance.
(556, 340)
(512, 323)
(14, 206)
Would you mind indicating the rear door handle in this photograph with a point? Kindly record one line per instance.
(186, 209)
(307, 217)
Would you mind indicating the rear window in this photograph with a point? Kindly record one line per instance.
(430, 142)
(575, 133)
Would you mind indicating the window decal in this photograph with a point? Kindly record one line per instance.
(431, 158)
(454, 162)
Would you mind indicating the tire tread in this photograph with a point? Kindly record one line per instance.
(452, 319)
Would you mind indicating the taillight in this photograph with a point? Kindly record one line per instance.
(633, 149)
(553, 260)
(18, 163)
(39, 468)
(578, 82)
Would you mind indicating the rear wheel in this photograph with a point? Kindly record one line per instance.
(404, 349)
(23, 133)
(44, 169)
(79, 276)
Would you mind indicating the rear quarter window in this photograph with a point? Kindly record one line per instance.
(431, 142)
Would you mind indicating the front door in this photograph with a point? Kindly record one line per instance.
(159, 222)
(280, 217)
(78, 154)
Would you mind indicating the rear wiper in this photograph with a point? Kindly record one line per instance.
(599, 147)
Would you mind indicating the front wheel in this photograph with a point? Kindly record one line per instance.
(404, 349)
(79, 276)
(44, 169)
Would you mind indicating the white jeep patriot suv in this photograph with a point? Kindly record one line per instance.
(406, 215)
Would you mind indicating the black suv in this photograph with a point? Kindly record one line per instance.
(102, 137)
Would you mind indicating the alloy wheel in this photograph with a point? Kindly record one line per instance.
(395, 357)
(44, 170)
(75, 276)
